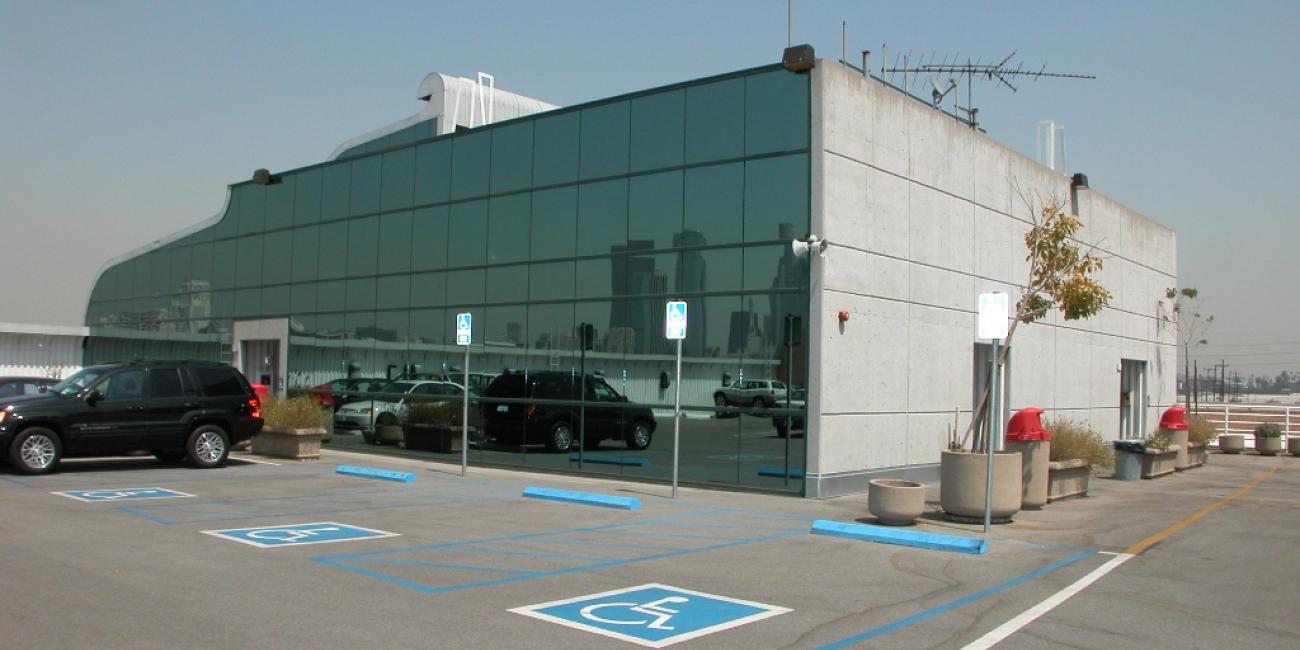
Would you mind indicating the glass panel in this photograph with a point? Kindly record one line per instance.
(277, 251)
(776, 198)
(776, 112)
(361, 326)
(249, 265)
(394, 291)
(252, 208)
(507, 239)
(555, 149)
(306, 203)
(428, 289)
(715, 121)
(507, 284)
(429, 239)
(554, 223)
(711, 270)
(392, 326)
(655, 209)
(602, 217)
(330, 296)
(550, 329)
(201, 266)
(398, 180)
(427, 325)
(279, 203)
(470, 156)
(363, 246)
(248, 303)
(512, 157)
(658, 123)
(275, 300)
(306, 252)
(365, 185)
(774, 267)
(178, 278)
(553, 281)
(465, 287)
(467, 235)
(223, 265)
(604, 315)
(432, 172)
(604, 140)
(504, 333)
(642, 327)
(361, 294)
(331, 326)
(222, 304)
(601, 277)
(715, 200)
(395, 242)
(334, 191)
(650, 274)
(229, 224)
(302, 298)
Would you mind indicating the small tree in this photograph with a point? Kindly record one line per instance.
(1060, 276)
(1192, 326)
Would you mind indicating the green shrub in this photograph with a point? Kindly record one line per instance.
(301, 412)
(1158, 441)
(1268, 430)
(1200, 432)
(1072, 439)
(434, 414)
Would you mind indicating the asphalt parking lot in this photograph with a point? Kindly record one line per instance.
(99, 555)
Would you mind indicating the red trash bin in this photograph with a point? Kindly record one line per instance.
(1025, 434)
(1173, 423)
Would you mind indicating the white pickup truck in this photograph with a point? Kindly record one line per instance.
(758, 393)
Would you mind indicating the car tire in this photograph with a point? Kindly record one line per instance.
(720, 401)
(559, 438)
(35, 450)
(759, 403)
(208, 446)
(169, 455)
(781, 430)
(639, 437)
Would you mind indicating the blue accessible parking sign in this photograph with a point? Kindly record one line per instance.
(124, 494)
(651, 615)
(320, 532)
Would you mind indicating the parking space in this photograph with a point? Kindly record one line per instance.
(150, 555)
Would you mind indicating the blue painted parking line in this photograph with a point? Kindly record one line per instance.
(652, 615)
(583, 498)
(375, 473)
(886, 535)
(283, 535)
(122, 494)
(610, 460)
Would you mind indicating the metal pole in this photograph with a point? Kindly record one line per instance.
(988, 439)
(464, 419)
(789, 387)
(582, 408)
(677, 414)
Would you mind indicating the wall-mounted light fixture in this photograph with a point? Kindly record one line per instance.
(801, 247)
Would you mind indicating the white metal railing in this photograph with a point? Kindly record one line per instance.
(1243, 418)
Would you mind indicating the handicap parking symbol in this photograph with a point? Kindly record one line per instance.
(320, 532)
(124, 494)
(651, 615)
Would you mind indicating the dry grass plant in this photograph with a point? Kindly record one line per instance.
(1071, 439)
(1200, 432)
(301, 412)
(1158, 441)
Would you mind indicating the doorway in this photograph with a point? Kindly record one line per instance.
(1132, 398)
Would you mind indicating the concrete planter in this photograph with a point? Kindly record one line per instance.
(1156, 463)
(1067, 478)
(421, 437)
(962, 480)
(295, 444)
(1182, 462)
(895, 502)
(1232, 443)
(1293, 445)
(1268, 446)
(1197, 455)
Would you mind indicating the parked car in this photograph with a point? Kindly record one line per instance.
(177, 409)
(365, 416)
(610, 416)
(337, 392)
(14, 386)
(798, 400)
(758, 393)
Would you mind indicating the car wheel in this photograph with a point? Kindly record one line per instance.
(560, 437)
(208, 446)
(720, 401)
(35, 450)
(169, 455)
(639, 437)
(781, 430)
(759, 403)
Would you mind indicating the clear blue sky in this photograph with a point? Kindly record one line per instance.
(123, 121)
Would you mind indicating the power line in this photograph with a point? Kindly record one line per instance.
(1247, 345)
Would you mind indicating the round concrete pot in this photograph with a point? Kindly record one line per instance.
(1183, 461)
(1293, 445)
(895, 502)
(962, 480)
(1268, 446)
(1232, 443)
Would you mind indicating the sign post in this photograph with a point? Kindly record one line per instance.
(464, 335)
(993, 310)
(675, 330)
(793, 330)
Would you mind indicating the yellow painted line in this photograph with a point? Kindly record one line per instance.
(1143, 545)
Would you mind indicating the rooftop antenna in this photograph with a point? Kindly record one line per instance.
(1002, 71)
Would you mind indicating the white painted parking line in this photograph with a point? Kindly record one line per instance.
(1032, 614)
(254, 460)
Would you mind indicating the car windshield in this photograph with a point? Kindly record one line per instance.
(79, 380)
(394, 387)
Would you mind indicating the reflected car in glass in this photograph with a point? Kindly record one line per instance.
(785, 424)
(610, 416)
(758, 393)
(388, 406)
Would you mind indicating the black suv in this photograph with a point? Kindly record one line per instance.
(609, 415)
(177, 409)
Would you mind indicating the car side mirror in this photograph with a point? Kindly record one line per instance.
(93, 397)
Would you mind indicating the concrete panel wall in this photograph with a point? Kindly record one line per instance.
(923, 214)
